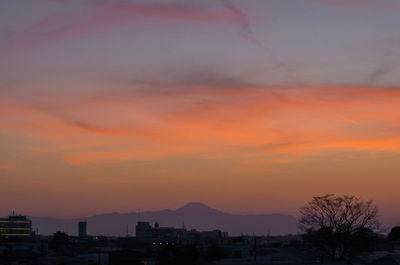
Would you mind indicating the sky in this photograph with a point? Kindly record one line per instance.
(247, 106)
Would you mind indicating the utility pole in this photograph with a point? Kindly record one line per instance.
(255, 249)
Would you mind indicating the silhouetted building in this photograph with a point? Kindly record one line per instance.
(143, 230)
(82, 226)
(15, 226)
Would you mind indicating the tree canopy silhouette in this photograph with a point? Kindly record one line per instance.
(337, 223)
(61, 244)
(394, 234)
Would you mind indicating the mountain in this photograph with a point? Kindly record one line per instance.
(195, 206)
(193, 215)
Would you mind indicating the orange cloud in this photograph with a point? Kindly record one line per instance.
(248, 123)
(7, 166)
(88, 157)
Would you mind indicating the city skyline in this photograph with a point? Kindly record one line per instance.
(247, 106)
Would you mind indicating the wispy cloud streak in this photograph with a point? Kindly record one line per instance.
(100, 14)
(375, 4)
(242, 122)
(247, 32)
(244, 24)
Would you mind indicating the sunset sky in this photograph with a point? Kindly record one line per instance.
(247, 106)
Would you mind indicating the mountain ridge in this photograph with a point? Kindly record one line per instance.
(195, 215)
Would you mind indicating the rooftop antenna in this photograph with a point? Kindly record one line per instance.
(127, 230)
(183, 225)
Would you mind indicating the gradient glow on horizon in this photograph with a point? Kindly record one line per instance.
(247, 106)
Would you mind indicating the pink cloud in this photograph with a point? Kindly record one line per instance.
(99, 15)
(379, 4)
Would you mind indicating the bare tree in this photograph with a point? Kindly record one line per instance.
(334, 223)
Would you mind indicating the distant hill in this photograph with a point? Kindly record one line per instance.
(193, 215)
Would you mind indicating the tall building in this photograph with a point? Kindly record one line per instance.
(82, 226)
(15, 226)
